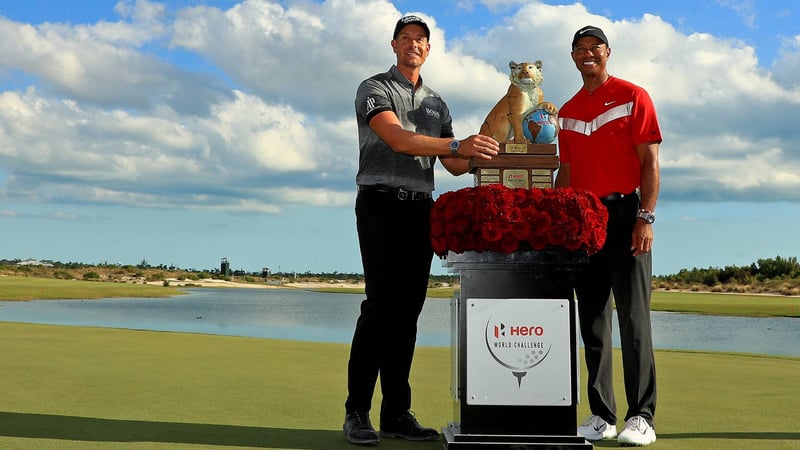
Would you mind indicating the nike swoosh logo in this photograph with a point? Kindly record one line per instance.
(609, 103)
(586, 30)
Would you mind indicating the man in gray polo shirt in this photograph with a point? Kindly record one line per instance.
(404, 127)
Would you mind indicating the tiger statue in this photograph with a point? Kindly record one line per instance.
(504, 121)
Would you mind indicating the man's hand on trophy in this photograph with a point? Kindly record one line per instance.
(479, 146)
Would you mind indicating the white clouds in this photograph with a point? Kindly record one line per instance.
(250, 109)
(786, 68)
(81, 63)
(744, 8)
(110, 156)
(266, 135)
(312, 56)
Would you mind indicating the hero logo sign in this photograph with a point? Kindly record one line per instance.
(517, 331)
(518, 347)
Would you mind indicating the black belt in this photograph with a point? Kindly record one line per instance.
(399, 193)
(614, 196)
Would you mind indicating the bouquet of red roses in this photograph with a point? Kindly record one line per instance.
(500, 219)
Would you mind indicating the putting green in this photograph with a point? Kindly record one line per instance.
(91, 388)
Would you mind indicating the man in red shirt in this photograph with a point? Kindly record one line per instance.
(608, 144)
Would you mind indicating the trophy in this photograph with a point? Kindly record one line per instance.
(525, 126)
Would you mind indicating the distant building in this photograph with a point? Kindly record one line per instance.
(225, 267)
(33, 262)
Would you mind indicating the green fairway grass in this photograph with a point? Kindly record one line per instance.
(29, 288)
(726, 304)
(93, 388)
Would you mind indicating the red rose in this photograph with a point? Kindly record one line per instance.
(500, 219)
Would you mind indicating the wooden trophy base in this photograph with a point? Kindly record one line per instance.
(517, 166)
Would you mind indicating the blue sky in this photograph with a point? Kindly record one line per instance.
(181, 132)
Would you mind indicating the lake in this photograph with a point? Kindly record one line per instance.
(330, 317)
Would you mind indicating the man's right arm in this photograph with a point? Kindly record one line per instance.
(387, 126)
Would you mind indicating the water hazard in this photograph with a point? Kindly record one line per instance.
(326, 317)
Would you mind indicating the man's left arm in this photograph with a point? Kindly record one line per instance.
(642, 239)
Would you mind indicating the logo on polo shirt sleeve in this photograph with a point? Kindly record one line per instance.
(433, 113)
(370, 104)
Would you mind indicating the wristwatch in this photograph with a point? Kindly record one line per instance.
(646, 215)
(455, 144)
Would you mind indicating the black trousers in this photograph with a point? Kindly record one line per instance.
(613, 270)
(396, 252)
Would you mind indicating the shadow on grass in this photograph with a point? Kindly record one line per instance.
(48, 426)
(730, 435)
(89, 429)
(759, 435)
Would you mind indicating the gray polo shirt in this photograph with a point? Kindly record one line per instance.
(421, 111)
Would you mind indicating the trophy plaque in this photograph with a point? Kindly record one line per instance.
(518, 166)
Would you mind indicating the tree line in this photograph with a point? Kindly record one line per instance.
(777, 268)
(779, 275)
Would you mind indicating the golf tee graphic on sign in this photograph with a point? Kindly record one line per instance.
(517, 347)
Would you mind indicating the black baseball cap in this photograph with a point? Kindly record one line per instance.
(589, 30)
(411, 20)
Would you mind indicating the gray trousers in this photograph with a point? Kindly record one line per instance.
(613, 270)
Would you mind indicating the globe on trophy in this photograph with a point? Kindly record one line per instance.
(539, 126)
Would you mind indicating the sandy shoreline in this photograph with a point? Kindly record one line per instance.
(256, 285)
(331, 284)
